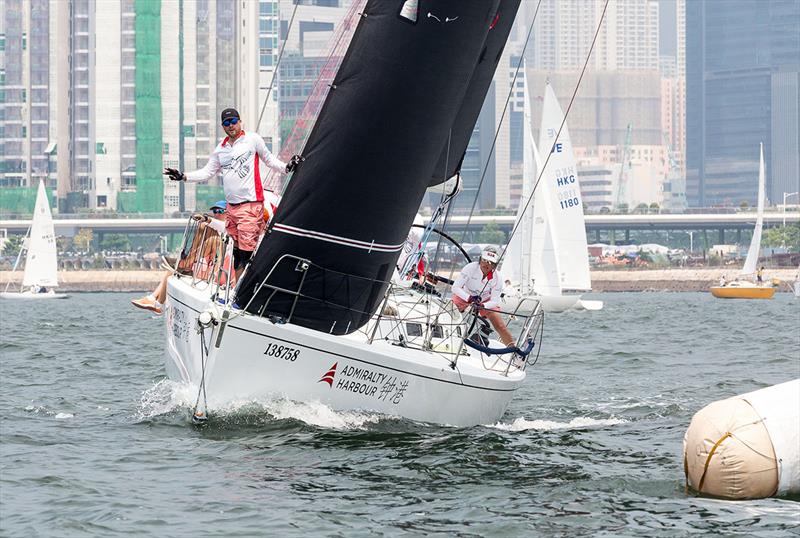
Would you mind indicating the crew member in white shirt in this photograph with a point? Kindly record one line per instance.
(237, 156)
(481, 283)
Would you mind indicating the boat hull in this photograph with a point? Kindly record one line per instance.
(256, 359)
(755, 292)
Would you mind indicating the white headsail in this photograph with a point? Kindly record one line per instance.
(562, 195)
(41, 266)
(517, 265)
(755, 243)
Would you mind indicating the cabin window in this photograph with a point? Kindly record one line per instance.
(414, 329)
(437, 331)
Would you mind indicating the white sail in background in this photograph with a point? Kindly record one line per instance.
(517, 260)
(755, 243)
(41, 266)
(561, 193)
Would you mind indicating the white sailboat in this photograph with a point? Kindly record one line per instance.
(743, 287)
(316, 316)
(41, 263)
(547, 259)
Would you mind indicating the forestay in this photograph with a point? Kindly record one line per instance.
(368, 161)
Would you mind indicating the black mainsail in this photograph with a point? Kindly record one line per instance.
(456, 146)
(368, 161)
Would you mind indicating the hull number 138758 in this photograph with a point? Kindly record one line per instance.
(282, 352)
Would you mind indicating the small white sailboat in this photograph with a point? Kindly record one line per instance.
(743, 288)
(547, 259)
(41, 263)
(316, 316)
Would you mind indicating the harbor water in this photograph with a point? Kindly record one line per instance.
(95, 442)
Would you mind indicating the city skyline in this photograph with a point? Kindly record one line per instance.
(164, 70)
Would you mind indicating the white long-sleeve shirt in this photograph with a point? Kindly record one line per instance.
(238, 161)
(472, 282)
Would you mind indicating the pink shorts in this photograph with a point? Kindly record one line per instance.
(245, 223)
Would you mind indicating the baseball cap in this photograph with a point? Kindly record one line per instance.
(490, 255)
(229, 113)
(222, 204)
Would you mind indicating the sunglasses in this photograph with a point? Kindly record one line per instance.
(218, 211)
(232, 121)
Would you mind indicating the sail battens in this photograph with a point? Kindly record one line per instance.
(355, 243)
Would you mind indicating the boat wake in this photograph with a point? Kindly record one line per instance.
(170, 397)
(578, 423)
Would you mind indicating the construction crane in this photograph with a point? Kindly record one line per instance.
(623, 169)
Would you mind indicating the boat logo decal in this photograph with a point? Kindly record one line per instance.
(367, 382)
(329, 375)
(178, 321)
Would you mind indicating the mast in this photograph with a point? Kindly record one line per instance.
(368, 161)
(753, 252)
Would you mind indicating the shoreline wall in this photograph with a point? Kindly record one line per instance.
(602, 281)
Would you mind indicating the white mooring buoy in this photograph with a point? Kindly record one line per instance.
(748, 446)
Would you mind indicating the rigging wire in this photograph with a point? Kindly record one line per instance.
(560, 128)
(497, 131)
(277, 65)
(347, 29)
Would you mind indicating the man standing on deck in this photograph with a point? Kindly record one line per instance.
(237, 156)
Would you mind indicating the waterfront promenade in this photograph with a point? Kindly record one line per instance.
(690, 279)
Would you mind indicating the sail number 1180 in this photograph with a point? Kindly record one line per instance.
(569, 202)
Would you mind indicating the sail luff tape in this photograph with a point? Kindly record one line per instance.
(708, 460)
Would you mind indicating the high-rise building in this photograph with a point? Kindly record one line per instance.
(672, 49)
(619, 101)
(103, 95)
(564, 30)
(742, 88)
(25, 87)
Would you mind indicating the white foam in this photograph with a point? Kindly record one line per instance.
(164, 397)
(318, 414)
(167, 396)
(64, 415)
(522, 424)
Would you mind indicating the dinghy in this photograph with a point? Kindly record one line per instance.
(41, 262)
(747, 289)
